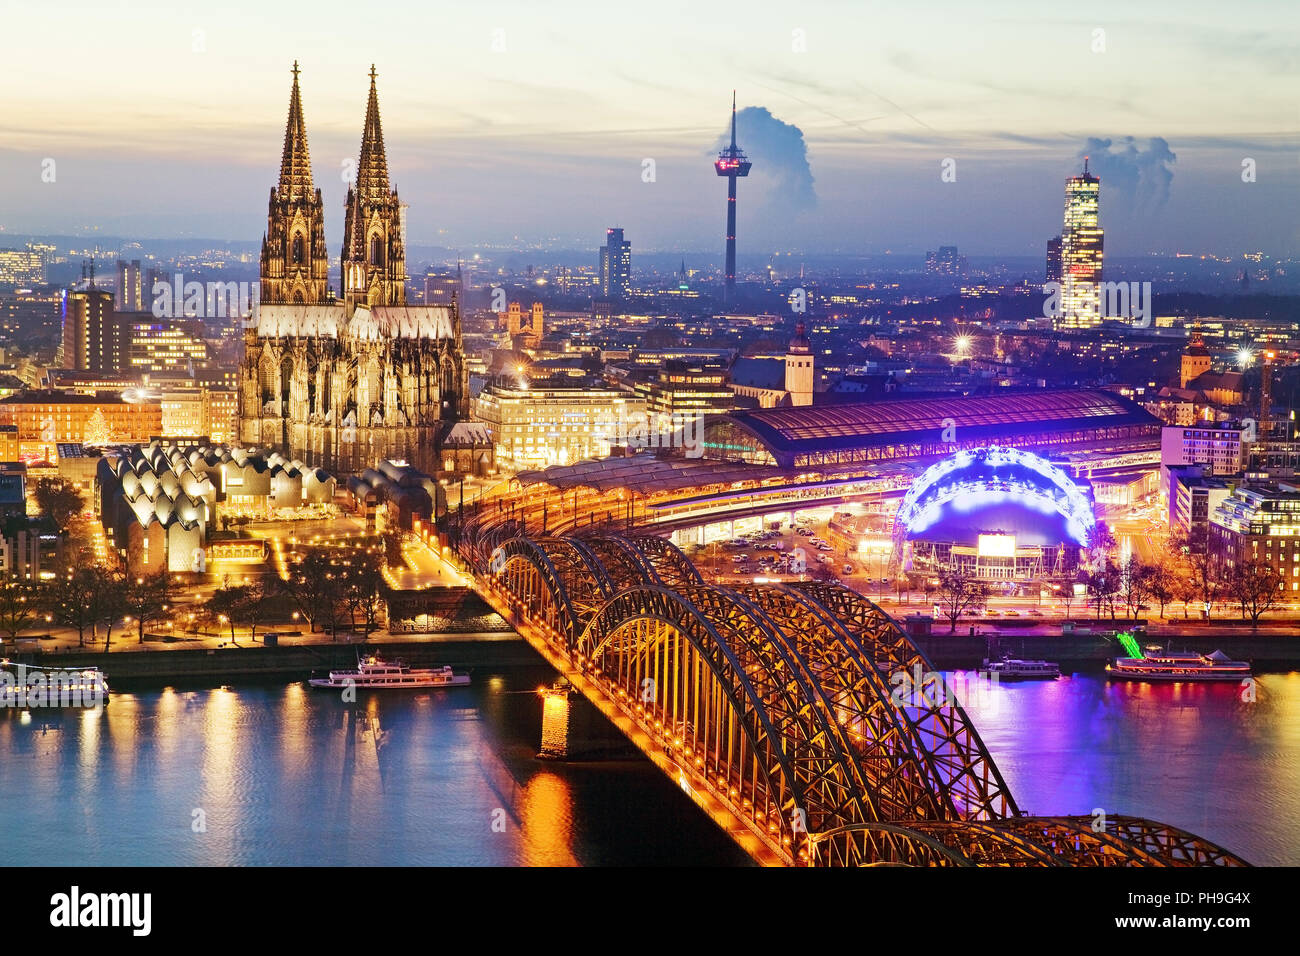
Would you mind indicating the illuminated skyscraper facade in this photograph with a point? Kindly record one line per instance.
(1081, 245)
(615, 266)
(130, 292)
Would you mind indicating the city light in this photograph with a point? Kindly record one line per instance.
(724, 497)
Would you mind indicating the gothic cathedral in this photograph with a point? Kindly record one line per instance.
(343, 381)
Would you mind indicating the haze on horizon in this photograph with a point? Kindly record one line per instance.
(165, 122)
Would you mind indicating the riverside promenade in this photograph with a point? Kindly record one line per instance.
(486, 641)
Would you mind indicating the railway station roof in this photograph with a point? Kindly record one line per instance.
(812, 428)
(645, 474)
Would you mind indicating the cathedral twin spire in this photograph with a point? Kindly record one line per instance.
(295, 165)
(294, 258)
(372, 170)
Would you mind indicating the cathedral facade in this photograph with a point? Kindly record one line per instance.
(343, 380)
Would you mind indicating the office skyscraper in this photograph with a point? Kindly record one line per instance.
(93, 333)
(615, 266)
(1054, 259)
(1081, 246)
(945, 262)
(130, 291)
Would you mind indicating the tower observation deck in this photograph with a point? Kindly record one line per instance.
(732, 163)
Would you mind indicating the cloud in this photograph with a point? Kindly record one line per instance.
(780, 157)
(1142, 175)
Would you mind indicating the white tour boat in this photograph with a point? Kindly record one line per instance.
(29, 687)
(1178, 666)
(374, 673)
(1012, 668)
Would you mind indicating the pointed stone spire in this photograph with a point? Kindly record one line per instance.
(372, 170)
(295, 164)
(295, 265)
(374, 257)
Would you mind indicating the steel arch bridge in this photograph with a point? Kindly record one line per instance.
(776, 709)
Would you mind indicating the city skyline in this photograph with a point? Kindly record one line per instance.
(847, 160)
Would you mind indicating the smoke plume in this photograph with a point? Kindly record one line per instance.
(1141, 175)
(780, 157)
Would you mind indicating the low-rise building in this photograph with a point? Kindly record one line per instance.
(1222, 447)
(1193, 496)
(1260, 522)
(537, 424)
(44, 419)
(158, 502)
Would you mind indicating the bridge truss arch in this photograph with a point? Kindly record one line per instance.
(775, 707)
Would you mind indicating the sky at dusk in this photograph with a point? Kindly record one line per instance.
(514, 123)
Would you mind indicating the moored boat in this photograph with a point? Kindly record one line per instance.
(1013, 668)
(30, 687)
(1178, 666)
(374, 673)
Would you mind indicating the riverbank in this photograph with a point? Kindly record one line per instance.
(1268, 652)
(158, 666)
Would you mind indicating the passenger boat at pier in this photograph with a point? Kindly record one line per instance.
(374, 673)
(1012, 668)
(29, 687)
(1178, 666)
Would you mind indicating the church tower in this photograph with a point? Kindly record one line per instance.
(374, 258)
(1195, 361)
(295, 263)
(799, 368)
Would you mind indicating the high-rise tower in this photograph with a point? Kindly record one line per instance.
(732, 163)
(615, 266)
(374, 257)
(1081, 245)
(295, 263)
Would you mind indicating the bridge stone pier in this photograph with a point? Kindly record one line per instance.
(573, 729)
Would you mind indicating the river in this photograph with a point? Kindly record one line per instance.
(262, 774)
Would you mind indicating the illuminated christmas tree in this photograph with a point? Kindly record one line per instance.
(96, 429)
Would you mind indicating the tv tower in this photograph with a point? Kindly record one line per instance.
(731, 163)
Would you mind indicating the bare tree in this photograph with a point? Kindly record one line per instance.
(362, 592)
(1162, 583)
(107, 601)
(58, 499)
(147, 597)
(1134, 586)
(311, 588)
(239, 605)
(1065, 584)
(1198, 565)
(959, 592)
(18, 608)
(1255, 586)
(1103, 585)
(69, 599)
